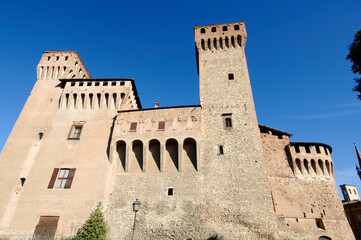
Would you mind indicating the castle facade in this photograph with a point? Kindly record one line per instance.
(197, 169)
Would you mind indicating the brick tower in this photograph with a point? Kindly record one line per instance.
(231, 146)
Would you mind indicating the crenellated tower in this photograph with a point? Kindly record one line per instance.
(231, 148)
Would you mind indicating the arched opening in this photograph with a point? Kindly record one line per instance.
(91, 101)
(232, 42)
(98, 99)
(209, 44)
(239, 40)
(305, 163)
(67, 100)
(189, 155)
(320, 163)
(114, 100)
(74, 99)
(215, 43)
(314, 167)
(171, 158)
(122, 96)
(221, 43)
(107, 100)
(328, 167)
(299, 166)
(226, 42)
(154, 156)
(121, 150)
(332, 169)
(83, 100)
(136, 163)
(324, 238)
(203, 45)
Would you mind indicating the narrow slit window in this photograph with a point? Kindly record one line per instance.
(221, 150)
(81, 84)
(297, 149)
(40, 135)
(114, 83)
(96, 83)
(105, 83)
(170, 192)
(22, 182)
(230, 76)
(89, 83)
(91, 100)
(107, 100)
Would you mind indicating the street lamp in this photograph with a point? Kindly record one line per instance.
(136, 206)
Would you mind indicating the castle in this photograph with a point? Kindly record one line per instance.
(197, 169)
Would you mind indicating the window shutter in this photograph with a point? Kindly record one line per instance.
(53, 178)
(133, 126)
(69, 181)
(161, 125)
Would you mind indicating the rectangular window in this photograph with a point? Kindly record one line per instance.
(133, 126)
(62, 178)
(161, 125)
(75, 132)
(227, 120)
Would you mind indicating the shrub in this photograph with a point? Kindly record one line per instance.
(95, 227)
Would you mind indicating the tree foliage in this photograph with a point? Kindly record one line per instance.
(354, 55)
(95, 227)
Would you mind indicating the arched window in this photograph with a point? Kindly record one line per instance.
(107, 100)
(332, 169)
(215, 43)
(239, 40)
(114, 100)
(90, 100)
(226, 42)
(154, 156)
(121, 150)
(221, 43)
(209, 44)
(328, 167)
(203, 45)
(232, 42)
(171, 158)
(189, 155)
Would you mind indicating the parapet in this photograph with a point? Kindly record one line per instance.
(222, 36)
(61, 64)
(310, 159)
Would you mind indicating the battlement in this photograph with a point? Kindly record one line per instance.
(93, 94)
(220, 36)
(309, 159)
(61, 64)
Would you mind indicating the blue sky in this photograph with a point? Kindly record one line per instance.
(295, 52)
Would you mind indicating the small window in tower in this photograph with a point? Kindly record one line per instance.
(221, 150)
(236, 27)
(72, 84)
(214, 29)
(114, 83)
(75, 132)
(96, 83)
(122, 83)
(203, 30)
(81, 84)
(76, 63)
(170, 192)
(161, 125)
(48, 58)
(228, 122)
(133, 126)
(354, 191)
(319, 223)
(230, 76)
(57, 58)
(22, 182)
(40, 135)
(225, 28)
(66, 58)
(89, 83)
(105, 84)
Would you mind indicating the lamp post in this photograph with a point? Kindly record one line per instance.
(136, 206)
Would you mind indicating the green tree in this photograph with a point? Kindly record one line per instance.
(95, 227)
(354, 55)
